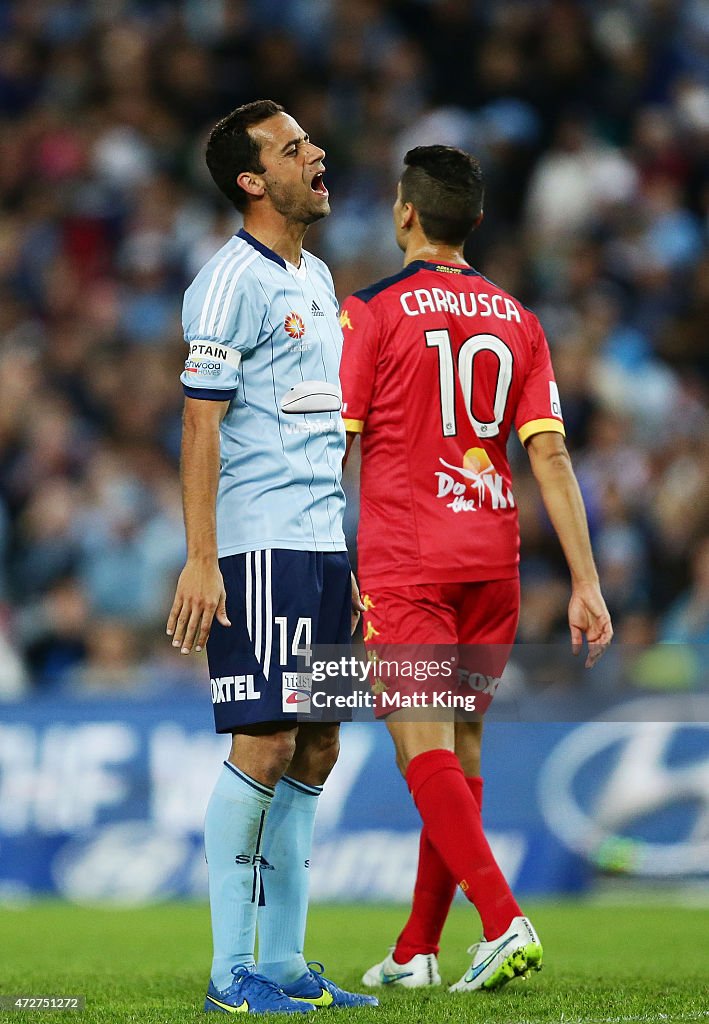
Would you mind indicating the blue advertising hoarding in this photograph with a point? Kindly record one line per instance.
(104, 801)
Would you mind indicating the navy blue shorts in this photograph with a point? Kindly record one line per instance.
(280, 604)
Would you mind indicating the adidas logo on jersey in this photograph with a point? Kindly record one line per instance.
(315, 309)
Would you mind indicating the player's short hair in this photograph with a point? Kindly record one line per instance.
(445, 187)
(232, 150)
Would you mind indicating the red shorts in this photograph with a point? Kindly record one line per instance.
(472, 625)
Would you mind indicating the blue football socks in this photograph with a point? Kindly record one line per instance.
(285, 878)
(234, 834)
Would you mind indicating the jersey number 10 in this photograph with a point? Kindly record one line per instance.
(441, 340)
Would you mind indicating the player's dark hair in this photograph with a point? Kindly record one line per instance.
(445, 186)
(231, 149)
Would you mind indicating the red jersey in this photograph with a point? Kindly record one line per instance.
(438, 365)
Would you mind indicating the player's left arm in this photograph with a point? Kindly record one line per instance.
(351, 437)
(588, 615)
(357, 373)
(360, 347)
(357, 606)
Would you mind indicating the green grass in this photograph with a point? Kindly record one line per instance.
(602, 964)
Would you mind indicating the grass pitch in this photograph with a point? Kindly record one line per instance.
(603, 965)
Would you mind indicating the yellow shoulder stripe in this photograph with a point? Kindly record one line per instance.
(527, 430)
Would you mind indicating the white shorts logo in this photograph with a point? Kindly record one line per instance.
(229, 688)
(296, 690)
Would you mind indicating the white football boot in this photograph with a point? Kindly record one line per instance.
(421, 971)
(495, 963)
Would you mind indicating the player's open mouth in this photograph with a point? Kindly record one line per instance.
(318, 185)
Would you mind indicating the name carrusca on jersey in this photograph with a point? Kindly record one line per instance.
(437, 300)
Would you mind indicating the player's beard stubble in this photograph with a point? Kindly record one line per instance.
(295, 205)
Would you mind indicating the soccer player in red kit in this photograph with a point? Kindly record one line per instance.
(438, 366)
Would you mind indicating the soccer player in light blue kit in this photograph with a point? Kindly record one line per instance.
(267, 572)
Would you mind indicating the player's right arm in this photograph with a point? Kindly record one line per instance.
(541, 430)
(588, 615)
(200, 590)
(221, 323)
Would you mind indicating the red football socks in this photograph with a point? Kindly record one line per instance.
(452, 820)
(433, 894)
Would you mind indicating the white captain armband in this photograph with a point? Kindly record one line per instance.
(213, 352)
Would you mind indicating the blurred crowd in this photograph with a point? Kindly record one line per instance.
(591, 120)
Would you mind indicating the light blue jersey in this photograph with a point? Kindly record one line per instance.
(266, 336)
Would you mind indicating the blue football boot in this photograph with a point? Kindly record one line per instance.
(319, 991)
(252, 993)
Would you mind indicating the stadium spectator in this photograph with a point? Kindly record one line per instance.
(113, 663)
(107, 212)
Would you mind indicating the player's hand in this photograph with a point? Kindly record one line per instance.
(357, 606)
(200, 595)
(588, 616)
